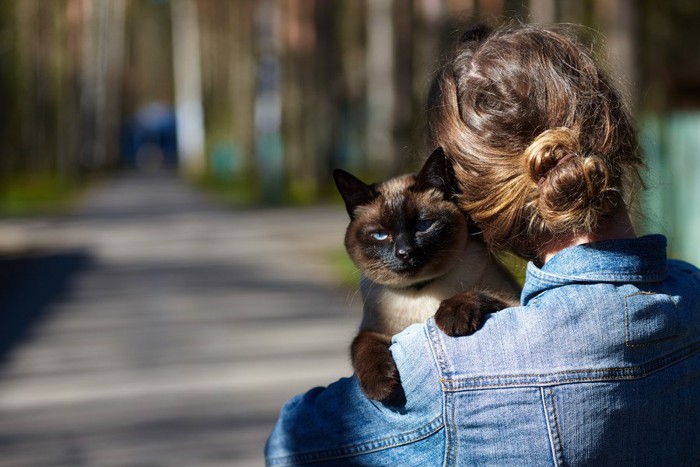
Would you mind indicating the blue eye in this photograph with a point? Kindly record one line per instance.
(424, 224)
(381, 236)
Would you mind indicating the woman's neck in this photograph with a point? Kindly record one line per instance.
(619, 227)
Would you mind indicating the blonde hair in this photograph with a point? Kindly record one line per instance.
(541, 144)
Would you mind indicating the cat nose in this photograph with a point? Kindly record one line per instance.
(403, 252)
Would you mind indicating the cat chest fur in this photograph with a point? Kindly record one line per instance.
(391, 309)
(412, 244)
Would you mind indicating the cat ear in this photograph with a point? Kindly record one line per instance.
(437, 172)
(354, 191)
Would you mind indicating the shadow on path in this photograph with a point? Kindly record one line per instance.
(30, 283)
(156, 327)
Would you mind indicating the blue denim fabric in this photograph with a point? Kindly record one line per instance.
(599, 366)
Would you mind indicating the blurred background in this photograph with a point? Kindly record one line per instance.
(171, 260)
(258, 100)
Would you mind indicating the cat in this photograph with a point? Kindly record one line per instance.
(418, 258)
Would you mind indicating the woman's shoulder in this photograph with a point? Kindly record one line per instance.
(576, 332)
(510, 342)
(682, 267)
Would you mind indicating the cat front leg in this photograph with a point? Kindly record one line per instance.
(375, 368)
(464, 313)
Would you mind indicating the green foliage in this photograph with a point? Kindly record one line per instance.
(38, 194)
(236, 191)
(516, 265)
(248, 190)
(344, 269)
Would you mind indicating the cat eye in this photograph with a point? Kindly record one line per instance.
(424, 224)
(379, 235)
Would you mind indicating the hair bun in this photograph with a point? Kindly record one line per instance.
(548, 149)
(572, 188)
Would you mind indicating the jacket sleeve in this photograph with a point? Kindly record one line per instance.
(338, 424)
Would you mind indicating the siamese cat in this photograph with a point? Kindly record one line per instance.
(418, 258)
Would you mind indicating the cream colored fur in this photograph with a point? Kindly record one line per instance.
(390, 310)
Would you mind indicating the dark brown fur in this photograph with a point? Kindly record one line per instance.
(412, 245)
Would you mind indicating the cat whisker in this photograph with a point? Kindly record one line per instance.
(352, 295)
(401, 284)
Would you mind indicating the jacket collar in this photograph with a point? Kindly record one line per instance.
(641, 259)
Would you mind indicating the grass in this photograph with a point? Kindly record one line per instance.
(345, 271)
(37, 194)
(241, 191)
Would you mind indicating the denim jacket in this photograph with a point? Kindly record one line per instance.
(600, 365)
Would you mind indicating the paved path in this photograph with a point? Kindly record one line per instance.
(156, 327)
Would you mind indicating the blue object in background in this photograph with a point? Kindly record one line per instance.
(225, 160)
(149, 139)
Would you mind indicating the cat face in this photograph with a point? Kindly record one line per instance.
(404, 231)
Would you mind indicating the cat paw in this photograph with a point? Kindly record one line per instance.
(375, 368)
(382, 383)
(463, 314)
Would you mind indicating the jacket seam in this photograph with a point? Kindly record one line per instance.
(570, 376)
(552, 420)
(641, 277)
(434, 343)
(368, 447)
(451, 431)
(437, 348)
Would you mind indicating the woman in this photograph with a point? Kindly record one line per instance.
(600, 365)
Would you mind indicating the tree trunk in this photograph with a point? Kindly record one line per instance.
(188, 88)
(381, 92)
(618, 22)
(268, 102)
(543, 11)
(243, 70)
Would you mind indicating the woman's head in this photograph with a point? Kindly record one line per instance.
(542, 145)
